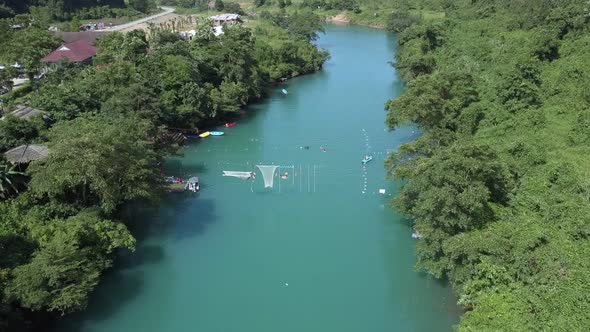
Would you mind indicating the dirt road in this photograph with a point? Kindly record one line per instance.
(166, 15)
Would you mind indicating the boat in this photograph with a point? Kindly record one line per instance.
(284, 92)
(205, 134)
(229, 124)
(193, 184)
(217, 133)
(366, 159)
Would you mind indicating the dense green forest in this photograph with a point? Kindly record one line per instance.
(497, 185)
(106, 126)
(66, 9)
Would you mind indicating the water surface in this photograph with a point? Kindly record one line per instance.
(321, 251)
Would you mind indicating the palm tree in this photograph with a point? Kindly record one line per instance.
(8, 180)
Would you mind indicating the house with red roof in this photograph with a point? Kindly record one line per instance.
(79, 51)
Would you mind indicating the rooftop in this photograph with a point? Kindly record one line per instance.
(26, 153)
(225, 17)
(77, 51)
(25, 112)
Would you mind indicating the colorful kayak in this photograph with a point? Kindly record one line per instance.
(366, 159)
(216, 133)
(229, 124)
(205, 134)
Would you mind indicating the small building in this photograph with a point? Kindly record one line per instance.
(79, 51)
(26, 153)
(218, 30)
(187, 35)
(225, 19)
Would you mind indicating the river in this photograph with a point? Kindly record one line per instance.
(320, 251)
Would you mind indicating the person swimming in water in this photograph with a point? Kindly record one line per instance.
(323, 149)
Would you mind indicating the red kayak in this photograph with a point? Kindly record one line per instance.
(229, 124)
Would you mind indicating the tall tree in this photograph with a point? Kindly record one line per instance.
(99, 160)
(29, 46)
(65, 269)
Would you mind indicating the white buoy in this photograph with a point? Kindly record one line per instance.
(286, 284)
(382, 191)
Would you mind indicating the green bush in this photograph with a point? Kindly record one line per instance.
(399, 21)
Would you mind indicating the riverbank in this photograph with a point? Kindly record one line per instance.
(368, 14)
(505, 162)
(342, 18)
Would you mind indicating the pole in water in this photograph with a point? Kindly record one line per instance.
(300, 179)
(314, 178)
(308, 179)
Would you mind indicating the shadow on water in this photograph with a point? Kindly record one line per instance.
(122, 284)
(177, 167)
(102, 302)
(174, 219)
(144, 254)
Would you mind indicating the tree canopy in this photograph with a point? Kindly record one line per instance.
(495, 185)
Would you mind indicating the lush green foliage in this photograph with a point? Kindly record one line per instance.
(98, 161)
(302, 24)
(10, 180)
(401, 20)
(233, 7)
(14, 131)
(60, 10)
(497, 185)
(351, 5)
(27, 47)
(198, 4)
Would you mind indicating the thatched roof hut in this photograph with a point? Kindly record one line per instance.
(26, 112)
(26, 153)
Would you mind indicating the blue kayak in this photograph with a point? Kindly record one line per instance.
(216, 133)
(367, 159)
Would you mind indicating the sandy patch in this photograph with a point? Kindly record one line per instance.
(340, 19)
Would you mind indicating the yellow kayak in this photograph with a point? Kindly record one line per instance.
(205, 134)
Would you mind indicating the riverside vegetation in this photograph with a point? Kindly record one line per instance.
(60, 225)
(498, 185)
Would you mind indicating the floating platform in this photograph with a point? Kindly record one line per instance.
(366, 160)
(175, 187)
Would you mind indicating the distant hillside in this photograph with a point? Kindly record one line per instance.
(10, 8)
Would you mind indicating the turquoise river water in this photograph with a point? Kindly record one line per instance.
(320, 251)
